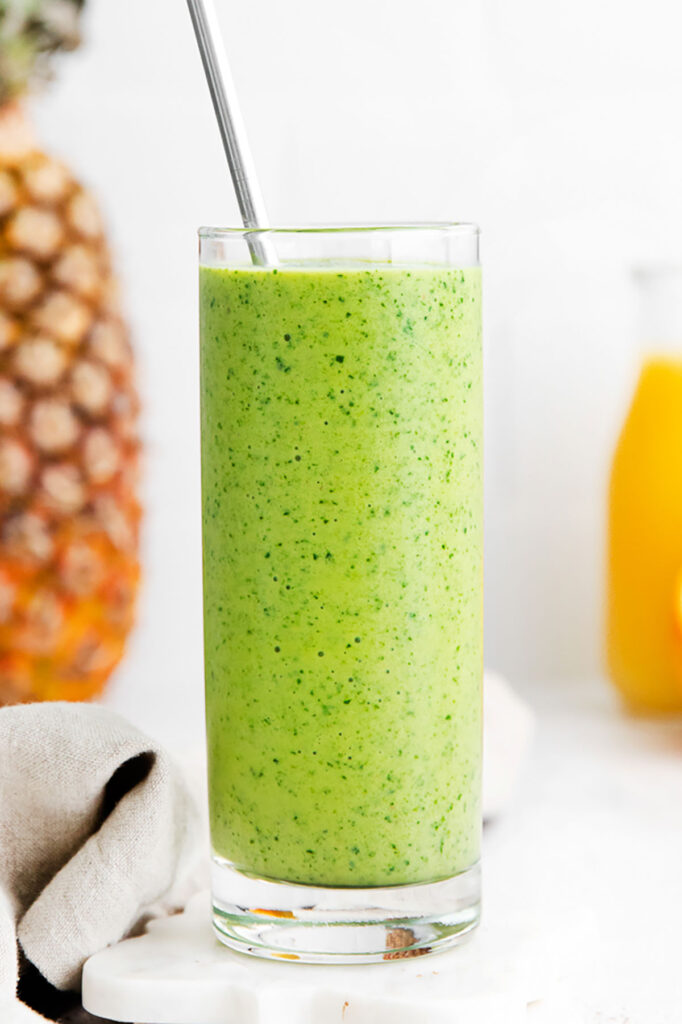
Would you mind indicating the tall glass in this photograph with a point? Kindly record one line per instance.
(342, 521)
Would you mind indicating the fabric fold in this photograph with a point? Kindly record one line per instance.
(97, 833)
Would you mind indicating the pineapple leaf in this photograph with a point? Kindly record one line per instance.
(31, 31)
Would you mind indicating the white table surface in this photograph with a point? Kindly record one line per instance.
(582, 909)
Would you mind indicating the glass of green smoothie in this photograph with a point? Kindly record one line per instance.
(341, 426)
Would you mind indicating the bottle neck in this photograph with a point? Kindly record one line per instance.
(659, 321)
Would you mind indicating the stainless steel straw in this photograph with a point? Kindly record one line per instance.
(231, 126)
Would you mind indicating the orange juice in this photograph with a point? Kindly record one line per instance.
(644, 638)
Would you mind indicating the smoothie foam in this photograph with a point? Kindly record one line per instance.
(342, 518)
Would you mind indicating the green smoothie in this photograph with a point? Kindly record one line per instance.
(342, 519)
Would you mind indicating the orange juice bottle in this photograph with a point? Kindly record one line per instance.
(644, 598)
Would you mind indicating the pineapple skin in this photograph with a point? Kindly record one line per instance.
(69, 445)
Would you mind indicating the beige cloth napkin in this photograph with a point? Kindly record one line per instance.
(97, 833)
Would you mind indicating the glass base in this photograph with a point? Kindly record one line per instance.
(313, 924)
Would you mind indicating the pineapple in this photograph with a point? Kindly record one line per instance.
(69, 447)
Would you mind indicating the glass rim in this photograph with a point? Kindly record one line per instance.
(461, 228)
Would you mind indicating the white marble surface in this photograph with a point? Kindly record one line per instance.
(178, 973)
(583, 894)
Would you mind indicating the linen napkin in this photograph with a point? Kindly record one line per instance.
(97, 834)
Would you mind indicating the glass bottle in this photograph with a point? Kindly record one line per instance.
(644, 593)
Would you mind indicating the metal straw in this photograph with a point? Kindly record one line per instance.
(231, 125)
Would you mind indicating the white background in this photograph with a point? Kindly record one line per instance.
(554, 125)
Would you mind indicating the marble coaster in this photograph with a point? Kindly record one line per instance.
(178, 973)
